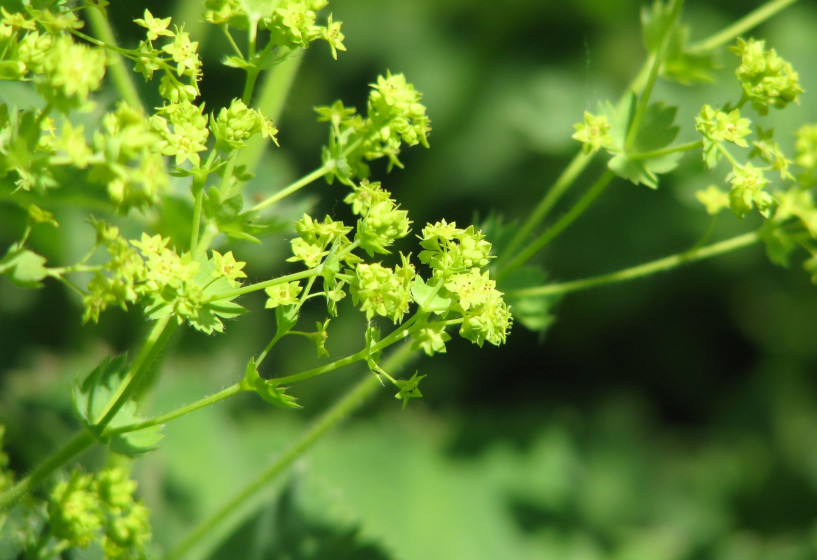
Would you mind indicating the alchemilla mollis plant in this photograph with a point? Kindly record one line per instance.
(66, 138)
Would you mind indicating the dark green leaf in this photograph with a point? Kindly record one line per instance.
(91, 399)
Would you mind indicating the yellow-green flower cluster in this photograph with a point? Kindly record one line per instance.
(394, 117)
(316, 238)
(128, 163)
(767, 80)
(456, 257)
(593, 132)
(86, 509)
(35, 49)
(449, 250)
(178, 58)
(282, 294)
(150, 272)
(291, 23)
(382, 222)
(806, 154)
(747, 191)
(238, 123)
(383, 291)
(184, 131)
(718, 126)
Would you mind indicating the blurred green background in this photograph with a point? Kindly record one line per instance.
(671, 418)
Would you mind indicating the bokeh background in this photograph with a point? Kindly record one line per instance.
(670, 418)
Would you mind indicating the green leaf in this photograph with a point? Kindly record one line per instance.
(23, 267)
(681, 64)
(266, 389)
(655, 22)
(229, 218)
(91, 399)
(656, 131)
(643, 172)
(237, 62)
(427, 297)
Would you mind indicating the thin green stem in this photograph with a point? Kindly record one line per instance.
(741, 26)
(314, 372)
(251, 495)
(552, 196)
(688, 146)
(119, 71)
(307, 179)
(653, 267)
(178, 413)
(194, 232)
(572, 215)
(78, 444)
(229, 36)
(294, 187)
(154, 344)
(655, 62)
(230, 294)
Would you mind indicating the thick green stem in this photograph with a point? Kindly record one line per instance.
(252, 494)
(577, 210)
(653, 267)
(81, 441)
(119, 71)
(744, 24)
(154, 344)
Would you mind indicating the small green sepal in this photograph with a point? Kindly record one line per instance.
(409, 388)
(266, 389)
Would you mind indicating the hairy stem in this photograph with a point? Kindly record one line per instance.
(81, 441)
(249, 495)
(646, 269)
(178, 413)
(154, 344)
